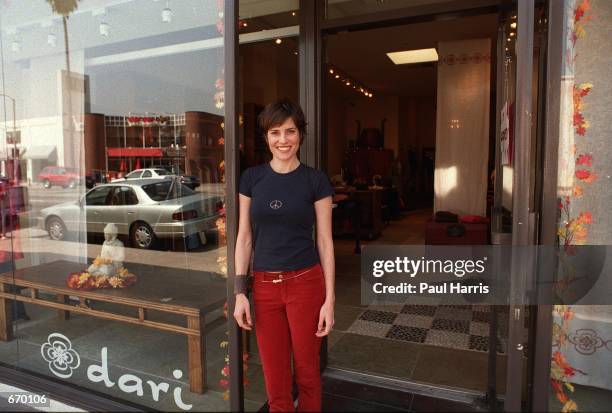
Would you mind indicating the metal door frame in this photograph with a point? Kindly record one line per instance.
(313, 27)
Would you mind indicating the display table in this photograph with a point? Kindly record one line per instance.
(368, 219)
(190, 294)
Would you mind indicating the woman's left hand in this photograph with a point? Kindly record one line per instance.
(326, 319)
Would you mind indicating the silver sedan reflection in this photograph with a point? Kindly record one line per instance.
(144, 210)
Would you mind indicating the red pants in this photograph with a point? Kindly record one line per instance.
(286, 320)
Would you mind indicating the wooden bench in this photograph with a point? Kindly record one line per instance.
(189, 294)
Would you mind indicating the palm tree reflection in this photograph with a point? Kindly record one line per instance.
(65, 8)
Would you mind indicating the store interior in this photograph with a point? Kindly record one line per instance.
(386, 146)
(381, 149)
(392, 134)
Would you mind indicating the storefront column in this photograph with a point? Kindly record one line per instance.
(548, 226)
(94, 141)
(523, 215)
(311, 12)
(232, 160)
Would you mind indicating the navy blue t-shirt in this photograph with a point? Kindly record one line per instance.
(283, 215)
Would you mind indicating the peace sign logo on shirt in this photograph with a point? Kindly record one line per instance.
(276, 204)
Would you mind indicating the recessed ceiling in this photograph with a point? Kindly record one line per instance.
(362, 54)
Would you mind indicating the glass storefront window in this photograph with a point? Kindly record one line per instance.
(582, 334)
(119, 278)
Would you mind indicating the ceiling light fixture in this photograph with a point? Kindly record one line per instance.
(104, 29)
(52, 39)
(166, 13)
(16, 46)
(413, 56)
(513, 25)
(279, 41)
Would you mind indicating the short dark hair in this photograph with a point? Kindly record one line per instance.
(276, 113)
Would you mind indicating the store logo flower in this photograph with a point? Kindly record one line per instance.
(60, 355)
(586, 341)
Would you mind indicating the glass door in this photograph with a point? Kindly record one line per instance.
(384, 126)
(371, 103)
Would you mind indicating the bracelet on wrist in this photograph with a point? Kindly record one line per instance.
(242, 284)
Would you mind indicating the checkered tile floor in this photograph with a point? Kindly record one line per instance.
(464, 327)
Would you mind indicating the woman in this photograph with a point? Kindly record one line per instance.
(293, 276)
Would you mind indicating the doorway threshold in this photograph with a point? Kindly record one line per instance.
(400, 394)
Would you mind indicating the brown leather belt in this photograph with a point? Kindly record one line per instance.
(277, 277)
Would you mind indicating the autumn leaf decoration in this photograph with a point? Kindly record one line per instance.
(225, 371)
(561, 371)
(580, 91)
(221, 223)
(573, 230)
(581, 18)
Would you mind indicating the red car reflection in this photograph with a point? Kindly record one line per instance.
(59, 176)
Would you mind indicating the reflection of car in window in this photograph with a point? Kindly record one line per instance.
(97, 176)
(124, 195)
(189, 181)
(162, 191)
(143, 209)
(57, 175)
(146, 173)
(98, 195)
(133, 175)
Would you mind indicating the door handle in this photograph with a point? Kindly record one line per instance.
(130, 212)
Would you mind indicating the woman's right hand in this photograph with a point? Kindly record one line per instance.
(242, 312)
